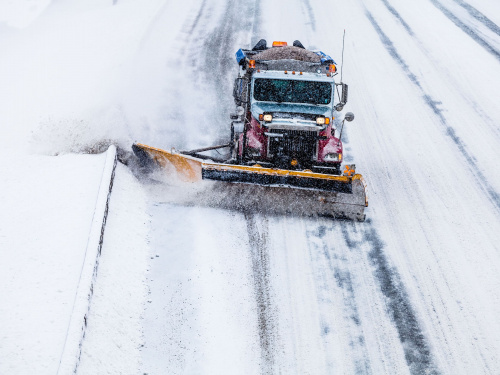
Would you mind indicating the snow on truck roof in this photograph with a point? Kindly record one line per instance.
(288, 53)
(284, 57)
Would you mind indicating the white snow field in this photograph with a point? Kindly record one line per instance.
(48, 209)
(187, 287)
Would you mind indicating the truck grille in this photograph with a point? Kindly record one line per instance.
(295, 144)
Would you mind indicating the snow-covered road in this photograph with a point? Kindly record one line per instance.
(413, 290)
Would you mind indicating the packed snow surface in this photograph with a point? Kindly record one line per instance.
(186, 287)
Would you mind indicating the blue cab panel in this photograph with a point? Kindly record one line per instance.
(325, 58)
(240, 55)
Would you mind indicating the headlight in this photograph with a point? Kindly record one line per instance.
(333, 157)
(268, 118)
(320, 120)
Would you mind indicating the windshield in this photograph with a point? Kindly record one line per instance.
(292, 91)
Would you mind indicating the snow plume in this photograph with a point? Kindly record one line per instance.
(167, 187)
(21, 13)
(81, 135)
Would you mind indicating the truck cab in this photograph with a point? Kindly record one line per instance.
(285, 109)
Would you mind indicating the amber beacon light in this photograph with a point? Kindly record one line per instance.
(280, 44)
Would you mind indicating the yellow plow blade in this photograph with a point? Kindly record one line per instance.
(305, 191)
(187, 167)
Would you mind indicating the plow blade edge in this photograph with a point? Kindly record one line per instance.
(294, 191)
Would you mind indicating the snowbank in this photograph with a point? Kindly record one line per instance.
(114, 333)
(70, 357)
(48, 206)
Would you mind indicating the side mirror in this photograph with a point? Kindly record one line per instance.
(237, 90)
(343, 100)
(240, 90)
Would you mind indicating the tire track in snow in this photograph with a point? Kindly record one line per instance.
(396, 14)
(466, 29)
(198, 17)
(219, 71)
(417, 351)
(205, 46)
(310, 14)
(178, 70)
(266, 315)
(483, 183)
(470, 100)
(191, 38)
(218, 56)
(479, 16)
(220, 44)
(338, 267)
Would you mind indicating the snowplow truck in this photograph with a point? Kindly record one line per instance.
(283, 134)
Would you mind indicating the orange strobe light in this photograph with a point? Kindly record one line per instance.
(279, 44)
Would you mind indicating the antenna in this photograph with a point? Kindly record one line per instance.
(342, 64)
(339, 106)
